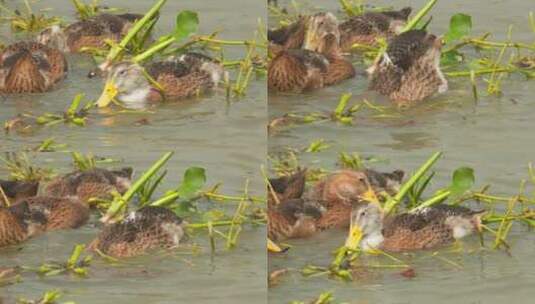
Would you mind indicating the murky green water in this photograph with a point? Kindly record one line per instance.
(226, 138)
(493, 136)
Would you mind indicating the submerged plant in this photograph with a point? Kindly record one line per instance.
(50, 297)
(73, 115)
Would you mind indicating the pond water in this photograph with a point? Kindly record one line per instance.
(226, 138)
(493, 136)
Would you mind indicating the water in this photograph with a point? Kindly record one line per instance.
(226, 138)
(493, 136)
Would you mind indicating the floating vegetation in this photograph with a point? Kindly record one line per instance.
(73, 115)
(20, 168)
(27, 20)
(74, 265)
(50, 297)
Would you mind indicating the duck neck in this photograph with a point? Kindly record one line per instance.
(137, 98)
(372, 241)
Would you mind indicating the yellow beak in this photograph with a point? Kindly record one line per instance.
(272, 247)
(354, 237)
(370, 196)
(109, 93)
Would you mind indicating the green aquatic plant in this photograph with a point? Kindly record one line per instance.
(75, 264)
(323, 298)
(88, 10)
(74, 114)
(27, 20)
(49, 297)
(49, 145)
(21, 168)
(317, 145)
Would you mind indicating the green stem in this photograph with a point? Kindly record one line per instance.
(154, 49)
(116, 49)
(430, 202)
(414, 21)
(123, 201)
(393, 201)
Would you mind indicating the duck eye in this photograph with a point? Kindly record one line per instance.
(123, 72)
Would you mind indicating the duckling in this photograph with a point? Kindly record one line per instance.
(428, 228)
(178, 77)
(18, 223)
(409, 71)
(317, 64)
(17, 190)
(366, 28)
(336, 192)
(59, 212)
(30, 67)
(94, 183)
(92, 32)
(287, 187)
(143, 230)
(293, 218)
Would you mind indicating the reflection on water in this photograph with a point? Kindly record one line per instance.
(226, 138)
(493, 136)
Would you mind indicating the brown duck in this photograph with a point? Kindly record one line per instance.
(187, 75)
(336, 193)
(428, 228)
(366, 28)
(409, 71)
(94, 183)
(90, 33)
(146, 229)
(291, 217)
(59, 212)
(318, 63)
(17, 190)
(18, 223)
(30, 67)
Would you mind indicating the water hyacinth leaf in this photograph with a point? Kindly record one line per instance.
(462, 181)
(460, 26)
(187, 23)
(194, 180)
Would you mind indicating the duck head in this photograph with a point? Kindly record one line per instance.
(128, 83)
(365, 230)
(54, 37)
(465, 224)
(321, 31)
(123, 178)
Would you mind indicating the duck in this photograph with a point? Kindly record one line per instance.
(146, 229)
(90, 33)
(427, 228)
(94, 183)
(318, 63)
(366, 28)
(289, 215)
(287, 187)
(409, 71)
(18, 223)
(385, 182)
(58, 212)
(336, 192)
(294, 218)
(31, 67)
(177, 77)
(15, 191)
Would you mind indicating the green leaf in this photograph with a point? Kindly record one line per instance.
(460, 26)
(462, 181)
(187, 23)
(194, 180)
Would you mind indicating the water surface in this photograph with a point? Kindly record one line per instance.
(493, 136)
(226, 138)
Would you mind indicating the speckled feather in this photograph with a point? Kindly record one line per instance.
(60, 213)
(27, 67)
(296, 71)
